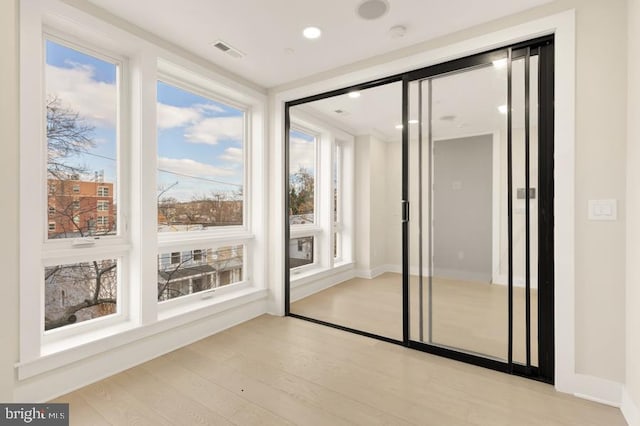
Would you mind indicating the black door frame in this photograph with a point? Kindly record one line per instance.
(544, 48)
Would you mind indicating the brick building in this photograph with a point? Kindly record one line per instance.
(80, 208)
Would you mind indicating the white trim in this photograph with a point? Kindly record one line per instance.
(503, 279)
(598, 390)
(59, 355)
(87, 370)
(307, 286)
(371, 273)
(563, 26)
(629, 408)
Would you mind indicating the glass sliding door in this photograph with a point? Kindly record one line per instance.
(344, 203)
(428, 217)
(476, 182)
(459, 138)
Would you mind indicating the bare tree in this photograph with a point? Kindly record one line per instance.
(98, 278)
(88, 288)
(301, 192)
(67, 134)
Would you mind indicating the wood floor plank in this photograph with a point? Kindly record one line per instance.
(166, 400)
(281, 403)
(233, 407)
(280, 371)
(118, 406)
(80, 412)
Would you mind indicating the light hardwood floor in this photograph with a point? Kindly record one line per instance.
(466, 315)
(282, 371)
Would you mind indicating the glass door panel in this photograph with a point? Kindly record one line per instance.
(461, 225)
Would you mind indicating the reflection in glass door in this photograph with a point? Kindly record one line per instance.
(474, 186)
(438, 237)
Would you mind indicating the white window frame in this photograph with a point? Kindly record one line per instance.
(102, 206)
(217, 237)
(137, 243)
(177, 305)
(328, 138)
(68, 250)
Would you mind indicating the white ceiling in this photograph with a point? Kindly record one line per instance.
(464, 103)
(265, 29)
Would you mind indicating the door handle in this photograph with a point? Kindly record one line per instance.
(405, 211)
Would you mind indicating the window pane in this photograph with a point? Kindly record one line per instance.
(300, 252)
(302, 174)
(82, 123)
(79, 292)
(200, 162)
(193, 271)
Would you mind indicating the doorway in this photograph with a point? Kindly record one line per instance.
(450, 245)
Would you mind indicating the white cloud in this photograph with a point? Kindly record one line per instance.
(208, 108)
(189, 167)
(301, 154)
(212, 130)
(170, 116)
(76, 88)
(233, 155)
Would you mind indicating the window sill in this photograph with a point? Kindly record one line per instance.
(73, 349)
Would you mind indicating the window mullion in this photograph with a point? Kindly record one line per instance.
(143, 277)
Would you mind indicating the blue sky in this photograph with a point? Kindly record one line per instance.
(302, 151)
(200, 141)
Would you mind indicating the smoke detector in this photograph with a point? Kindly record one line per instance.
(372, 9)
(397, 31)
(225, 47)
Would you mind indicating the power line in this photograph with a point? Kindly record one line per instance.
(201, 178)
(165, 171)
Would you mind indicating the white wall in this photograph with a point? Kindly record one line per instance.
(600, 173)
(633, 218)
(371, 169)
(9, 192)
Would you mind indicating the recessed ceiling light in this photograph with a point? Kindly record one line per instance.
(354, 95)
(372, 9)
(312, 32)
(500, 63)
(399, 126)
(502, 109)
(413, 122)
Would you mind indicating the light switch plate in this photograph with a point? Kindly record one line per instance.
(603, 209)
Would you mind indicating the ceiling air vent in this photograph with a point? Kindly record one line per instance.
(228, 49)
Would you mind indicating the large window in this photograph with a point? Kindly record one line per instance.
(320, 191)
(150, 170)
(200, 161)
(302, 177)
(82, 138)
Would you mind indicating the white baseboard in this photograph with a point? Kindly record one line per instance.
(517, 281)
(371, 273)
(319, 282)
(50, 385)
(630, 410)
(597, 389)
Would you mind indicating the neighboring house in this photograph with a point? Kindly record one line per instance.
(188, 272)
